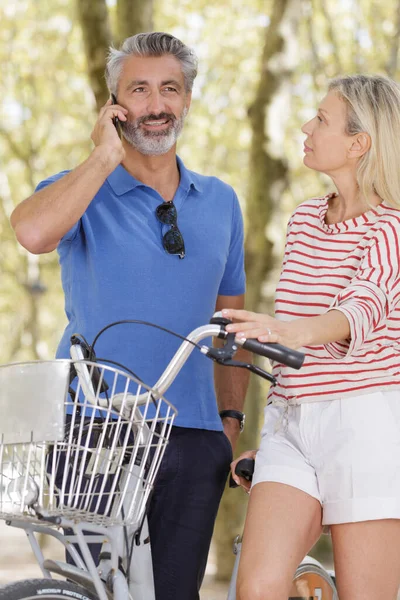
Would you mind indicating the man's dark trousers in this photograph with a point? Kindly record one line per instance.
(183, 508)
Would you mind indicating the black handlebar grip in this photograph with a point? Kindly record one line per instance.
(245, 469)
(276, 352)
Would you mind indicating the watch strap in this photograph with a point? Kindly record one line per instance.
(233, 414)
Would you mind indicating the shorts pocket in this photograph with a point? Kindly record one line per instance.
(272, 414)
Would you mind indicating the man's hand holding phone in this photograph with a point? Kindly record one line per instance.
(116, 121)
(106, 132)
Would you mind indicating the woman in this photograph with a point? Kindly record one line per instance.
(330, 447)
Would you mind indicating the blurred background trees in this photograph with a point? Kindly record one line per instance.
(264, 65)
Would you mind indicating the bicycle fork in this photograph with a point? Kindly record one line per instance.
(138, 566)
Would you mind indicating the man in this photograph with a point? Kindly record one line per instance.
(123, 255)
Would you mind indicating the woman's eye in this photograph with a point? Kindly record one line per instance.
(319, 119)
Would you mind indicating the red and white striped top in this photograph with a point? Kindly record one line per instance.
(353, 266)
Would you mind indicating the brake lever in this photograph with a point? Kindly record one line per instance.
(223, 356)
(225, 352)
(250, 367)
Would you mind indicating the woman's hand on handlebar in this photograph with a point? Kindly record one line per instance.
(262, 327)
(246, 485)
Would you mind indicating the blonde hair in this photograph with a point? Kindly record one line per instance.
(373, 107)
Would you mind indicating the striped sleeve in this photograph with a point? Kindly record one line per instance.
(370, 296)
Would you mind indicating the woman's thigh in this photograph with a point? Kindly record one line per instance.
(282, 524)
(367, 559)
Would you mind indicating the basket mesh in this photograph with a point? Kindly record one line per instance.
(103, 468)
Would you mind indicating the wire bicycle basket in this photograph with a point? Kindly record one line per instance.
(69, 452)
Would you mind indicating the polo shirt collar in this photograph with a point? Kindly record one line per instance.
(189, 179)
(121, 181)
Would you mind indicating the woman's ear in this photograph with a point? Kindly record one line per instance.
(360, 145)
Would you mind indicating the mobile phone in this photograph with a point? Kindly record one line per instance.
(116, 121)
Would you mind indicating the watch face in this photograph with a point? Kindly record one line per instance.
(242, 422)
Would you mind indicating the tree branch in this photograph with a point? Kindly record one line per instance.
(316, 66)
(391, 67)
(332, 37)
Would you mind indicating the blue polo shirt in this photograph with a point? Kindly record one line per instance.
(114, 267)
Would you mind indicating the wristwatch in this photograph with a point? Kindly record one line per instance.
(234, 414)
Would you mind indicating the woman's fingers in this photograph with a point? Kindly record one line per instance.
(244, 326)
(264, 328)
(240, 480)
(253, 325)
(254, 330)
(242, 315)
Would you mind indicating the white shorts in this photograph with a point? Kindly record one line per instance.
(345, 453)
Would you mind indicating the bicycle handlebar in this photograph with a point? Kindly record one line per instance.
(244, 468)
(275, 352)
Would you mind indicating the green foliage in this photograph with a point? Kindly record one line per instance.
(47, 111)
(228, 43)
(45, 123)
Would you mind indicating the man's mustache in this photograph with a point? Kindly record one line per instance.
(154, 117)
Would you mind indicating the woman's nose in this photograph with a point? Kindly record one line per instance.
(307, 127)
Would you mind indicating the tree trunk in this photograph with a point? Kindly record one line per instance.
(267, 182)
(394, 49)
(133, 17)
(96, 32)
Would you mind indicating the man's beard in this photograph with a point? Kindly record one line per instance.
(154, 143)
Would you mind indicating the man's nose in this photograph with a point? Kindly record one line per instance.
(156, 103)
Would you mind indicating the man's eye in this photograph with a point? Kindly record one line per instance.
(139, 89)
(169, 89)
(320, 119)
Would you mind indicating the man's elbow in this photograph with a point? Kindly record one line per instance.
(32, 239)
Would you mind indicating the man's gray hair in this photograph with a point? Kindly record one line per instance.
(151, 44)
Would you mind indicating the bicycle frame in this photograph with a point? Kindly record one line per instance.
(107, 580)
(107, 575)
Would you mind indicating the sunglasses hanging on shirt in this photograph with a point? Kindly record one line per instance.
(173, 242)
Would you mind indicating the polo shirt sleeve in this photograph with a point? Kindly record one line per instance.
(233, 282)
(69, 236)
(373, 292)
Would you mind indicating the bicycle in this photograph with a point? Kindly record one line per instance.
(311, 580)
(92, 472)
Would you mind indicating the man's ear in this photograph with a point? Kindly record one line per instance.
(188, 100)
(360, 144)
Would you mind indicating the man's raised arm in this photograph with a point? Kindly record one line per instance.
(44, 218)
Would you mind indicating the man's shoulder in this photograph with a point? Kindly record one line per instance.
(211, 184)
(199, 180)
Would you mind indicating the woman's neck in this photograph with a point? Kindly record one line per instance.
(349, 203)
